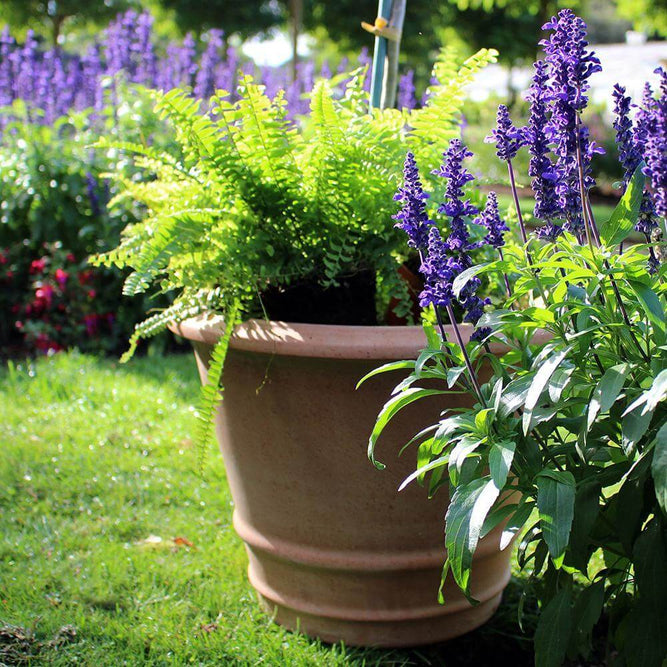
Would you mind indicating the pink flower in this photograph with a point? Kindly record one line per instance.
(44, 295)
(37, 266)
(61, 278)
(70, 257)
(92, 293)
(45, 344)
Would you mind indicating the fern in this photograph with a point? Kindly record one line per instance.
(247, 199)
(435, 124)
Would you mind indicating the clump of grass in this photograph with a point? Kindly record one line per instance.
(106, 528)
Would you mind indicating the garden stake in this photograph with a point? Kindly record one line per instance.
(387, 29)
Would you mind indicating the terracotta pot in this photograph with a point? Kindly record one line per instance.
(334, 550)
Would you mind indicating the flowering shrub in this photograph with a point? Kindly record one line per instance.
(52, 83)
(52, 192)
(566, 444)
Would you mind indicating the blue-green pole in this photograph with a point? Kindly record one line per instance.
(379, 56)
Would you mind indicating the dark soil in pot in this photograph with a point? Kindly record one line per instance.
(351, 301)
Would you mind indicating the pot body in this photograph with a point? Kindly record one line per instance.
(334, 550)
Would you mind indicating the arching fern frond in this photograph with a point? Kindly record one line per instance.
(211, 393)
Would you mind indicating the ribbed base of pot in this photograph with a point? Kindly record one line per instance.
(368, 599)
(396, 633)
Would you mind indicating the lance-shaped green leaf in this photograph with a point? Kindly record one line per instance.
(386, 368)
(555, 504)
(633, 427)
(465, 277)
(422, 470)
(463, 524)
(389, 410)
(537, 386)
(516, 523)
(501, 456)
(623, 218)
(651, 305)
(586, 613)
(606, 392)
(659, 467)
(554, 628)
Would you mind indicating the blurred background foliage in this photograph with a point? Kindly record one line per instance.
(510, 26)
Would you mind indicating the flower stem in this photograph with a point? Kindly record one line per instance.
(468, 363)
(507, 282)
(515, 195)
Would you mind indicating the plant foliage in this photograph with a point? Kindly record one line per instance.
(251, 200)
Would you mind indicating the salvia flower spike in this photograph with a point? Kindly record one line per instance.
(543, 172)
(570, 67)
(413, 218)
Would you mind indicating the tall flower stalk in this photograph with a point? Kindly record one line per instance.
(508, 140)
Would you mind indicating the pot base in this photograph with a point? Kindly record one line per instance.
(382, 634)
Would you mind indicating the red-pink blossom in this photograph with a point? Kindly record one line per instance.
(61, 278)
(37, 266)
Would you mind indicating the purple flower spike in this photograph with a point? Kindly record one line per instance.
(412, 218)
(455, 206)
(570, 67)
(507, 138)
(491, 219)
(439, 271)
(656, 148)
(406, 91)
(541, 169)
(628, 152)
(446, 259)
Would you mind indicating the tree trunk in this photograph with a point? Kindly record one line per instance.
(56, 26)
(296, 17)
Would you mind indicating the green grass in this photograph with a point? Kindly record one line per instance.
(601, 212)
(96, 459)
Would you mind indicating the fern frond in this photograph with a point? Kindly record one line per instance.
(181, 310)
(175, 232)
(211, 392)
(435, 124)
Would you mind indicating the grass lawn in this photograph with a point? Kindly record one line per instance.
(114, 551)
(601, 212)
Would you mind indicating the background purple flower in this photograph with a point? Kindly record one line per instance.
(495, 225)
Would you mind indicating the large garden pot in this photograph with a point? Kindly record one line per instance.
(334, 550)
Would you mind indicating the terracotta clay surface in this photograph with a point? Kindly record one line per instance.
(334, 550)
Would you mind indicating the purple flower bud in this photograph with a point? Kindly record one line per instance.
(507, 138)
(455, 206)
(406, 91)
(543, 172)
(490, 218)
(655, 152)
(570, 66)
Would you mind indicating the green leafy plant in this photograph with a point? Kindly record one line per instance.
(54, 196)
(565, 439)
(252, 205)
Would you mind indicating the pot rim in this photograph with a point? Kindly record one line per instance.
(328, 341)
